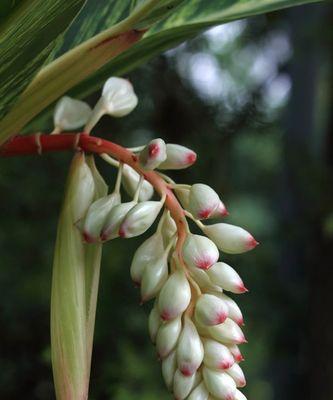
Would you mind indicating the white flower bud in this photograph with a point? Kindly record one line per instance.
(199, 393)
(167, 337)
(234, 311)
(178, 157)
(154, 277)
(153, 154)
(203, 280)
(228, 332)
(182, 385)
(96, 216)
(154, 322)
(130, 181)
(217, 355)
(199, 251)
(239, 395)
(237, 374)
(139, 218)
(234, 350)
(150, 249)
(169, 228)
(230, 238)
(203, 200)
(210, 310)
(114, 219)
(70, 114)
(183, 195)
(226, 277)
(219, 384)
(169, 367)
(220, 211)
(190, 349)
(175, 296)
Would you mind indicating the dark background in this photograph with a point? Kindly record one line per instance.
(254, 99)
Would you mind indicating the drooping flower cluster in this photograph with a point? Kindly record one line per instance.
(193, 323)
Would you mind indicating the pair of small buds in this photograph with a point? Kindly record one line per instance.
(118, 99)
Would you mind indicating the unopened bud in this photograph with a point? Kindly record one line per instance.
(167, 337)
(178, 157)
(70, 114)
(237, 374)
(169, 228)
(234, 311)
(169, 367)
(226, 277)
(239, 395)
(234, 350)
(130, 183)
(96, 217)
(153, 154)
(220, 211)
(182, 385)
(189, 350)
(139, 218)
(199, 251)
(199, 393)
(219, 384)
(154, 277)
(228, 333)
(154, 322)
(217, 355)
(175, 296)
(114, 219)
(150, 249)
(203, 280)
(203, 200)
(210, 310)
(230, 238)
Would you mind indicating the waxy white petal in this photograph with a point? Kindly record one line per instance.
(114, 219)
(239, 395)
(130, 181)
(154, 322)
(70, 114)
(175, 296)
(178, 157)
(203, 201)
(234, 311)
(226, 277)
(202, 279)
(167, 337)
(210, 310)
(153, 154)
(230, 238)
(182, 385)
(189, 349)
(169, 367)
(199, 251)
(228, 332)
(237, 374)
(154, 277)
(217, 355)
(199, 393)
(219, 384)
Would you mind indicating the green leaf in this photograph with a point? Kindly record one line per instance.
(28, 30)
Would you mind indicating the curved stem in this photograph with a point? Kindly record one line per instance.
(40, 143)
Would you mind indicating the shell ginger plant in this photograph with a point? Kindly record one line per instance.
(193, 323)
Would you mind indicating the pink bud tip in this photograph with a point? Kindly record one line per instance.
(203, 214)
(122, 232)
(252, 243)
(230, 397)
(240, 321)
(191, 158)
(87, 238)
(242, 289)
(153, 150)
(165, 315)
(204, 263)
(103, 236)
(241, 340)
(225, 365)
(225, 212)
(186, 371)
(239, 357)
(220, 318)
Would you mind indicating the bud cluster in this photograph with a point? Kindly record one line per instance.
(193, 323)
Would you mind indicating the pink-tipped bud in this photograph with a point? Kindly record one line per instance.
(154, 323)
(217, 355)
(239, 395)
(190, 349)
(220, 211)
(210, 310)
(175, 296)
(199, 393)
(234, 311)
(234, 350)
(169, 367)
(178, 157)
(199, 251)
(154, 277)
(183, 195)
(167, 337)
(219, 384)
(182, 385)
(153, 154)
(237, 375)
(96, 216)
(230, 238)
(114, 219)
(203, 201)
(225, 276)
(130, 181)
(227, 333)
(139, 218)
(150, 249)
(202, 279)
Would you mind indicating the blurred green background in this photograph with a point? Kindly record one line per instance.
(254, 99)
